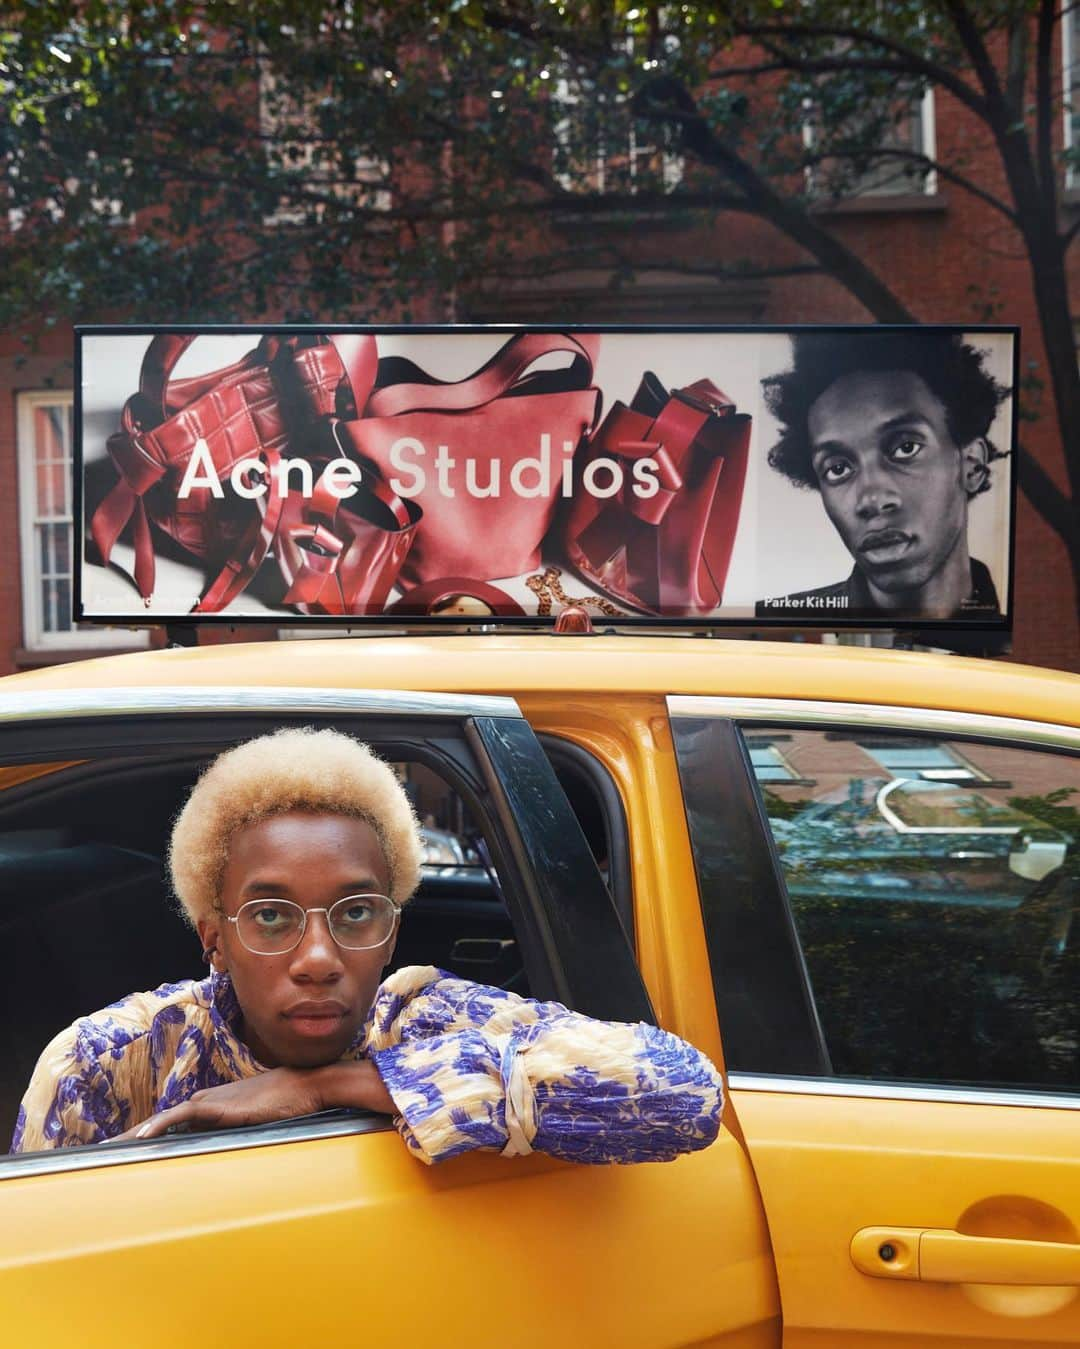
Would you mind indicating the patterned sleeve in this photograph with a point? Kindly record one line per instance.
(69, 1100)
(475, 1067)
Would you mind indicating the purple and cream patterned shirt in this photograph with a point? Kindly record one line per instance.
(467, 1067)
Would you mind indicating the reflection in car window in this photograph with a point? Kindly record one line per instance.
(936, 910)
(911, 757)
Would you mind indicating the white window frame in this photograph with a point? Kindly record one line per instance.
(1070, 85)
(36, 637)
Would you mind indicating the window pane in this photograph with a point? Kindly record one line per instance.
(62, 549)
(60, 480)
(931, 761)
(771, 772)
(44, 494)
(938, 919)
(63, 604)
(53, 428)
(769, 764)
(48, 606)
(929, 756)
(763, 756)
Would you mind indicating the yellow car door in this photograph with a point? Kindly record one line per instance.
(892, 906)
(325, 1227)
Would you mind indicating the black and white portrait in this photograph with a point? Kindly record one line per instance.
(892, 435)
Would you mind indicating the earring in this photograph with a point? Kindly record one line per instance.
(208, 954)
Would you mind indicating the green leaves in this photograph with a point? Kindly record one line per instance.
(278, 155)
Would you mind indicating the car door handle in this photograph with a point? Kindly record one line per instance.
(481, 950)
(937, 1255)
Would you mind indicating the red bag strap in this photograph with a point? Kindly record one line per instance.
(158, 361)
(238, 571)
(158, 390)
(492, 380)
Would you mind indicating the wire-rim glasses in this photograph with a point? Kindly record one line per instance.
(273, 927)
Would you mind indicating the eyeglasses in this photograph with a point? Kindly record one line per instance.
(271, 927)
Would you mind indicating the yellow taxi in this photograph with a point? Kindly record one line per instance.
(849, 876)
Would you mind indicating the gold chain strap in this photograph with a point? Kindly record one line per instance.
(546, 586)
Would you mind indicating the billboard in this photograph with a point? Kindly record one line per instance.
(814, 477)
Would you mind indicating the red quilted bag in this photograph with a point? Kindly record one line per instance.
(667, 553)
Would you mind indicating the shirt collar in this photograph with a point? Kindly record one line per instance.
(226, 1020)
(981, 596)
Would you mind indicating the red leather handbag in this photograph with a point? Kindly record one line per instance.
(667, 553)
(279, 400)
(486, 513)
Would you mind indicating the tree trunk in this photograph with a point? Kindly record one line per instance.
(1046, 256)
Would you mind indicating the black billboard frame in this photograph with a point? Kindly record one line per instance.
(979, 634)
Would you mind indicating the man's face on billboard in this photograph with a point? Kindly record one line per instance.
(891, 476)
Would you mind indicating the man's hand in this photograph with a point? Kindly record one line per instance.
(277, 1094)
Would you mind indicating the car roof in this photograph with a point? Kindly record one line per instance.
(542, 663)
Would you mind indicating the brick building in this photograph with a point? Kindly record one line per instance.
(947, 256)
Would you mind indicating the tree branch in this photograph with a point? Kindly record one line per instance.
(913, 60)
(665, 100)
(930, 166)
(812, 65)
(984, 69)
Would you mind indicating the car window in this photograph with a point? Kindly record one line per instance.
(597, 805)
(933, 886)
(85, 901)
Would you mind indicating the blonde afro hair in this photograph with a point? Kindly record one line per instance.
(292, 769)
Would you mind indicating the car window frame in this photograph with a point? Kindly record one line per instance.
(568, 754)
(490, 732)
(785, 714)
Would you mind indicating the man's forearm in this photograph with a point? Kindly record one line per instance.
(355, 1083)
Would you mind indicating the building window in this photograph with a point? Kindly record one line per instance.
(922, 759)
(317, 180)
(44, 429)
(601, 148)
(911, 131)
(599, 145)
(768, 762)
